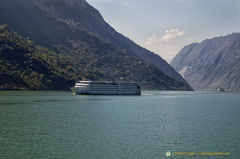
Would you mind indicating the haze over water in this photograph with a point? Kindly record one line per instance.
(56, 124)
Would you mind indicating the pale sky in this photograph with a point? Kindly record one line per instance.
(166, 26)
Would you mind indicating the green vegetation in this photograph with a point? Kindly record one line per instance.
(26, 66)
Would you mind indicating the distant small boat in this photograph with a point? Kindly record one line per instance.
(222, 89)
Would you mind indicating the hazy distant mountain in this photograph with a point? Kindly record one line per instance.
(53, 23)
(211, 64)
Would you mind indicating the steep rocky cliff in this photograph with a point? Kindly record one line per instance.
(211, 64)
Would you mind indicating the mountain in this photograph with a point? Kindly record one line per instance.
(66, 28)
(26, 66)
(25, 17)
(211, 64)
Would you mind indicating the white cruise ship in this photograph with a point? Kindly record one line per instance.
(106, 88)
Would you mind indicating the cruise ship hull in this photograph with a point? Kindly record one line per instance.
(106, 88)
(80, 92)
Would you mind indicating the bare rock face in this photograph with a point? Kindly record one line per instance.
(211, 64)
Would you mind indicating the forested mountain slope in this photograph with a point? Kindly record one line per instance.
(26, 66)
